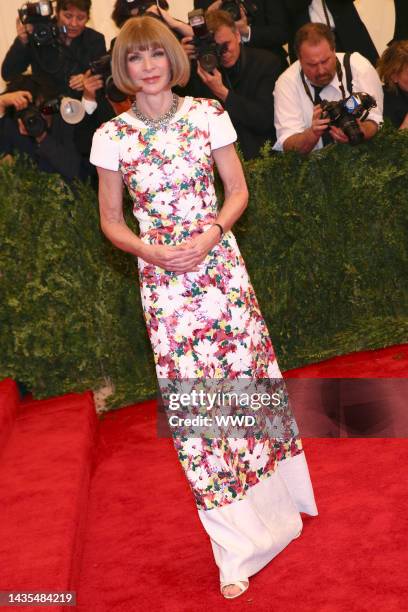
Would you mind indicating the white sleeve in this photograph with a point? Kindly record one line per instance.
(105, 149)
(366, 79)
(90, 106)
(289, 114)
(222, 131)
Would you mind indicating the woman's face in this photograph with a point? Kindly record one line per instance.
(401, 79)
(73, 19)
(149, 70)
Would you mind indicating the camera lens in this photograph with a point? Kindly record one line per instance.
(208, 61)
(33, 122)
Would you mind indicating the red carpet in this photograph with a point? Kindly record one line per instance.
(391, 362)
(44, 483)
(132, 539)
(145, 546)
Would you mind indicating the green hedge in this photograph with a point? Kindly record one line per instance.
(324, 238)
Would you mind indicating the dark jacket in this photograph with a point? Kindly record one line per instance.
(85, 130)
(269, 26)
(395, 106)
(401, 20)
(56, 153)
(250, 101)
(351, 33)
(59, 63)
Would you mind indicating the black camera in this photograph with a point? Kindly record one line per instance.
(103, 67)
(344, 114)
(233, 7)
(143, 5)
(208, 51)
(40, 16)
(32, 117)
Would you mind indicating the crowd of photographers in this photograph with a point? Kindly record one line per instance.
(332, 92)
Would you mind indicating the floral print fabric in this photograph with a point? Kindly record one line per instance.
(203, 324)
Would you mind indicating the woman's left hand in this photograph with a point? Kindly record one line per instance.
(202, 244)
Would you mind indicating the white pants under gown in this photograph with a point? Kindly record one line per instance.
(248, 533)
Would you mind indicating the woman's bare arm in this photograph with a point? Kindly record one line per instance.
(235, 188)
(235, 201)
(111, 213)
(177, 259)
(182, 258)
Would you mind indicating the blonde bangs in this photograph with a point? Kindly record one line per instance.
(140, 34)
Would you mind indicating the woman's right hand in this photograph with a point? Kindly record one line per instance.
(23, 31)
(179, 259)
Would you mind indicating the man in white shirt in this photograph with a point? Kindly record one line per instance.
(318, 75)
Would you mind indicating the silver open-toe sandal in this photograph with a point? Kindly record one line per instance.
(241, 584)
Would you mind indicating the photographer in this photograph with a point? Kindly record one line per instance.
(44, 137)
(263, 24)
(98, 109)
(243, 83)
(125, 9)
(17, 99)
(393, 70)
(321, 74)
(64, 57)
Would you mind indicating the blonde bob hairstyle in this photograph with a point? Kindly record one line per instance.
(140, 34)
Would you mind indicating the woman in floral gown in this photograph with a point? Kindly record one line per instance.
(200, 309)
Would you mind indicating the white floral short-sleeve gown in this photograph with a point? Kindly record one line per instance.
(208, 324)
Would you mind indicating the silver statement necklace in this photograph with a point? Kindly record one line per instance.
(160, 121)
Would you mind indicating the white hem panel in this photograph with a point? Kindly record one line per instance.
(295, 473)
(248, 533)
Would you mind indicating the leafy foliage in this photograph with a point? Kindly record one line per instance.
(324, 239)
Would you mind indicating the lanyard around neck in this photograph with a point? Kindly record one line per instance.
(339, 72)
(326, 13)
